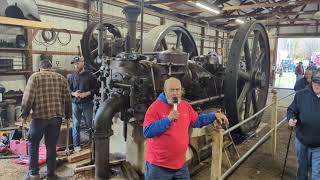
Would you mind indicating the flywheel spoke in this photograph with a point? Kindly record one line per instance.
(255, 46)
(243, 94)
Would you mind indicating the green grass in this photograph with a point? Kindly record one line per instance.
(287, 80)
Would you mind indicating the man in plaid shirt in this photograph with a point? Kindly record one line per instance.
(48, 96)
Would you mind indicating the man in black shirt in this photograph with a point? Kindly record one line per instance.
(304, 114)
(83, 85)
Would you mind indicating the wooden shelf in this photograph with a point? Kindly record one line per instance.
(14, 72)
(14, 49)
(12, 95)
(23, 22)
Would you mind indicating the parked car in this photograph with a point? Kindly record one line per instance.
(288, 65)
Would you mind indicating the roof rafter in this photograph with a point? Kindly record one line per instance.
(266, 5)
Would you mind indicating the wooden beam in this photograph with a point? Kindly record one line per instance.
(273, 124)
(298, 35)
(304, 6)
(85, 154)
(269, 15)
(267, 5)
(163, 1)
(71, 3)
(23, 22)
(288, 25)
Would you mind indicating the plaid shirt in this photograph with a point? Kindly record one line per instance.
(47, 94)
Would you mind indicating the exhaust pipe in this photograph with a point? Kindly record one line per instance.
(131, 13)
(103, 131)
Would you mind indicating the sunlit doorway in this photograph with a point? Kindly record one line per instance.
(290, 52)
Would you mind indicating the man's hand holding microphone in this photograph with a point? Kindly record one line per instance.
(174, 114)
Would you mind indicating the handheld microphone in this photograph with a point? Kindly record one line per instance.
(175, 103)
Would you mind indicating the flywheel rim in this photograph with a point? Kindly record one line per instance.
(241, 100)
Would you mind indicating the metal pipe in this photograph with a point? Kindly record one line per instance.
(246, 155)
(103, 131)
(206, 100)
(286, 96)
(122, 85)
(246, 120)
(282, 121)
(141, 28)
(150, 53)
(101, 30)
(153, 82)
(131, 13)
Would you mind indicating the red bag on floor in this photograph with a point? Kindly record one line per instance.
(19, 147)
(24, 160)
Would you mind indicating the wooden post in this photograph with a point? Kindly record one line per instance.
(273, 124)
(216, 160)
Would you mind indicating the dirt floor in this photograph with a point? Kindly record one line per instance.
(259, 166)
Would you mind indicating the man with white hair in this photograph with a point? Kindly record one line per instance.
(166, 126)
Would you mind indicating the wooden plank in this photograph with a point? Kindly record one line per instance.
(55, 52)
(91, 167)
(129, 172)
(216, 160)
(84, 154)
(23, 22)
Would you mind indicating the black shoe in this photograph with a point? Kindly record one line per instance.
(32, 177)
(55, 177)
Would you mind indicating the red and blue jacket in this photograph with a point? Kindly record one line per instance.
(167, 141)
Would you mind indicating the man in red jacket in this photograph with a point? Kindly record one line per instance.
(166, 130)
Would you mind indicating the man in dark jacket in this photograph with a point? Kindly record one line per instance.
(304, 82)
(83, 85)
(304, 114)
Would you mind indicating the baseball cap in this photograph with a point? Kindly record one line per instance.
(316, 78)
(76, 59)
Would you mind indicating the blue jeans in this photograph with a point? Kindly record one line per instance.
(307, 156)
(153, 172)
(77, 110)
(50, 128)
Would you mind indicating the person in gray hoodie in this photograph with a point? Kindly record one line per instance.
(304, 115)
